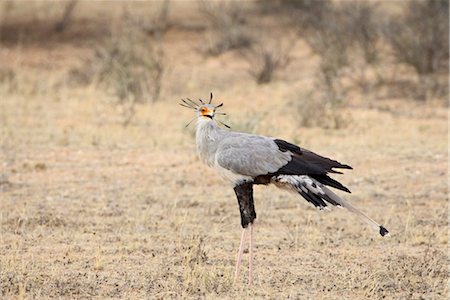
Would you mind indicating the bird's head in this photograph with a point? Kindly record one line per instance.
(204, 111)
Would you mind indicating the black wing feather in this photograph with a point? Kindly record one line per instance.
(324, 179)
(305, 162)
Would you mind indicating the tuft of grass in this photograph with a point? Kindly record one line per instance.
(314, 110)
(8, 79)
(5, 183)
(199, 277)
(98, 261)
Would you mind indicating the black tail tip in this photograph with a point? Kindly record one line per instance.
(383, 231)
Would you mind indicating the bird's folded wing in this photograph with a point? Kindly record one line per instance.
(251, 155)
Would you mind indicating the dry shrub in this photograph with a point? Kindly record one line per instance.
(308, 13)
(155, 25)
(128, 66)
(326, 37)
(364, 31)
(266, 58)
(66, 17)
(345, 37)
(420, 39)
(227, 27)
(354, 23)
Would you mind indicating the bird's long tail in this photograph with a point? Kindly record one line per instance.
(344, 203)
(319, 195)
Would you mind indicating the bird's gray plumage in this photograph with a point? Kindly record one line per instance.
(250, 155)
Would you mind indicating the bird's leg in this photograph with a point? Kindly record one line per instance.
(250, 259)
(244, 193)
(239, 256)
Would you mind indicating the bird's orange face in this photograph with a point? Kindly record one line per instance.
(206, 111)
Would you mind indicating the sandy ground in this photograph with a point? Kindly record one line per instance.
(92, 209)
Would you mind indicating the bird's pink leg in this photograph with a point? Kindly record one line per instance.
(239, 257)
(250, 260)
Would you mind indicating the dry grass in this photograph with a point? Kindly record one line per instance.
(92, 209)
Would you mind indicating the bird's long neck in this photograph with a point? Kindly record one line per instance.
(206, 136)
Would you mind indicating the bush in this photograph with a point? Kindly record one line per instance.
(363, 29)
(127, 65)
(155, 25)
(345, 36)
(420, 39)
(227, 27)
(327, 35)
(266, 58)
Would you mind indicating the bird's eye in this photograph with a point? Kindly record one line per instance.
(202, 109)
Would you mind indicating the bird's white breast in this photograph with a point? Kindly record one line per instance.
(207, 138)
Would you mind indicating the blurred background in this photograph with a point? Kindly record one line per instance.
(99, 178)
(120, 63)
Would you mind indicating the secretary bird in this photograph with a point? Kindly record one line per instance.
(245, 159)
